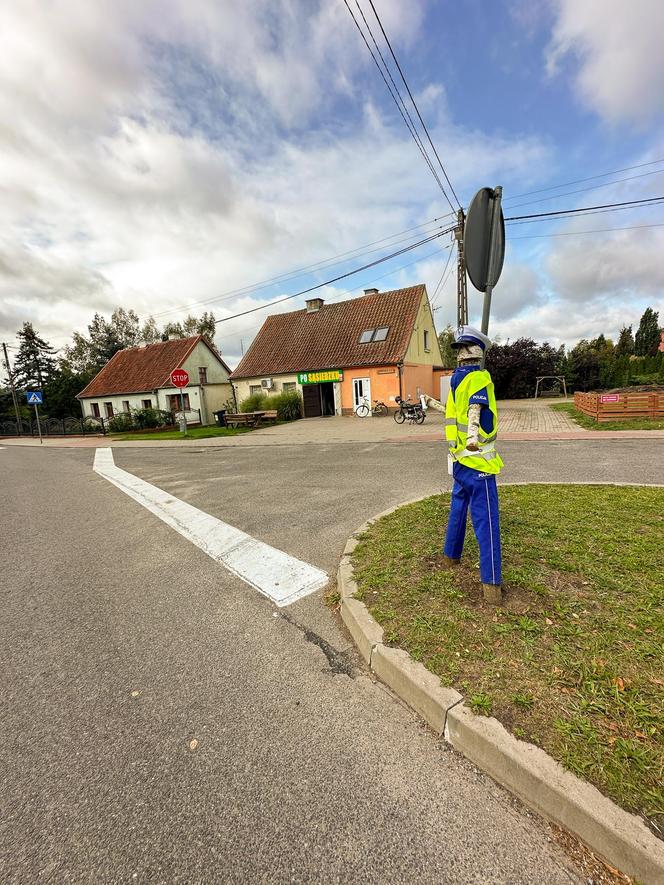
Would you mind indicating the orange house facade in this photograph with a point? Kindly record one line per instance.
(379, 346)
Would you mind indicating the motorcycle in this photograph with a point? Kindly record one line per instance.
(407, 411)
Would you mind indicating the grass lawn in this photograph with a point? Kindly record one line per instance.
(574, 661)
(588, 423)
(192, 433)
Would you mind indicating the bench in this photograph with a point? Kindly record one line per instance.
(242, 419)
(270, 415)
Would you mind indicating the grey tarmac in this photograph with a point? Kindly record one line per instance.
(121, 643)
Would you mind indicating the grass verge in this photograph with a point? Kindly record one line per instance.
(574, 660)
(192, 433)
(589, 423)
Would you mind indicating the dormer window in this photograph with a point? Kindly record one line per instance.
(379, 334)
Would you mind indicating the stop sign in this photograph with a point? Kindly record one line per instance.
(179, 377)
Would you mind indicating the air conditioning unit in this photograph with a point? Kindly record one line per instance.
(267, 383)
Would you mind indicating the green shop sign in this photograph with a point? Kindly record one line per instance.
(320, 377)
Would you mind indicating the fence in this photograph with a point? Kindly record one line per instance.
(53, 426)
(192, 416)
(621, 406)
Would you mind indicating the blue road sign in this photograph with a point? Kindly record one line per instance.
(35, 397)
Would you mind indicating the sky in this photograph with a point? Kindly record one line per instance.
(170, 155)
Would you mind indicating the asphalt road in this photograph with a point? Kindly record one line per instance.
(121, 643)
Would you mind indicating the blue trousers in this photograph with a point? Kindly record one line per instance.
(478, 490)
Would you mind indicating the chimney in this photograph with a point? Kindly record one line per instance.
(371, 291)
(314, 304)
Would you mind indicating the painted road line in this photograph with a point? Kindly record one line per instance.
(275, 574)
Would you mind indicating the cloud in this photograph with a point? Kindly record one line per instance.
(161, 155)
(618, 266)
(615, 49)
(558, 324)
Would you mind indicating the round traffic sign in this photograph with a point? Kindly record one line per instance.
(179, 377)
(477, 241)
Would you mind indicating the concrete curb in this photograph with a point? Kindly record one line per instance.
(524, 769)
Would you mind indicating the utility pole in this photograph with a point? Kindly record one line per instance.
(462, 289)
(10, 375)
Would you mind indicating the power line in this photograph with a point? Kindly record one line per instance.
(338, 295)
(574, 233)
(293, 274)
(405, 83)
(413, 131)
(584, 189)
(440, 281)
(626, 204)
(342, 276)
(589, 178)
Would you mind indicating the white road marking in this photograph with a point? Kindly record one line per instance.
(275, 574)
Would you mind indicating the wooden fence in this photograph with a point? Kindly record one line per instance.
(617, 406)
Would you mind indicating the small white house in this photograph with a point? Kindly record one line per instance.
(139, 377)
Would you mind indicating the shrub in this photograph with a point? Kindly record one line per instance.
(121, 423)
(253, 403)
(289, 405)
(150, 418)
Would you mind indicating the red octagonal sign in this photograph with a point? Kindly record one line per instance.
(179, 377)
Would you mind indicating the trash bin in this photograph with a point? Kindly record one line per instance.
(220, 417)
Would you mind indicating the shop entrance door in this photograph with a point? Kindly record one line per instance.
(318, 400)
(327, 398)
(361, 392)
(311, 400)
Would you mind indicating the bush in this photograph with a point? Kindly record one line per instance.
(121, 423)
(253, 403)
(150, 418)
(289, 405)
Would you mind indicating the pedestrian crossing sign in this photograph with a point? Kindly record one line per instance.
(35, 397)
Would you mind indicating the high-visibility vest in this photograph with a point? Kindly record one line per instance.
(486, 460)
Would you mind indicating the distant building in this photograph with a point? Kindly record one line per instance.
(375, 347)
(139, 377)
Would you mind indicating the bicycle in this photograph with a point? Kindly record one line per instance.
(363, 410)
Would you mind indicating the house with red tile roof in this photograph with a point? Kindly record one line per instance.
(375, 347)
(139, 377)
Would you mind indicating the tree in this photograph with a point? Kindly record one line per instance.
(625, 345)
(204, 325)
(207, 325)
(514, 367)
(445, 340)
(60, 393)
(172, 330)
(125, 326)
(150, 333)
(105, 339)
(190, 326)
(35, 361)
(584, 366)
(646, 340)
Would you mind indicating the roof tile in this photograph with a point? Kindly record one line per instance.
(141, 369)
(329, 338)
